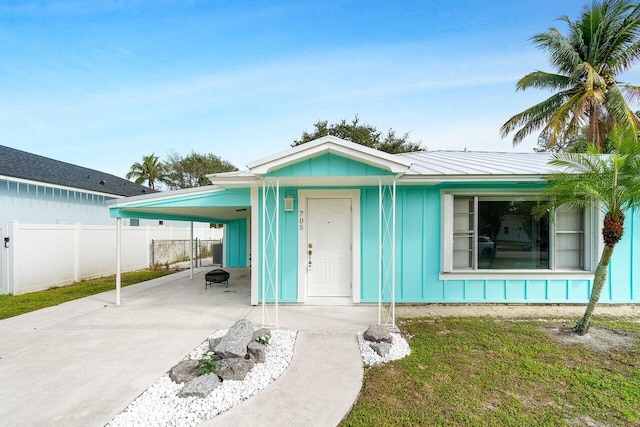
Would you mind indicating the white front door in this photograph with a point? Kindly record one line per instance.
(329, 238)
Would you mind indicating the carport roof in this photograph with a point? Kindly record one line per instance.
(211, 203)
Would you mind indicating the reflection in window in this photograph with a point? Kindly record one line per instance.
(491, 233)
(511, 237)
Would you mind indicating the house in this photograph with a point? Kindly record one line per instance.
(333, 222)
(41, 190)
(54, 216)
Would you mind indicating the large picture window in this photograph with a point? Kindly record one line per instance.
(490, 232)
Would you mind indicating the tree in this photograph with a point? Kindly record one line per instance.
(151, 170)
(363, 134)
(610, 181)
(191, 171)
(601, 44)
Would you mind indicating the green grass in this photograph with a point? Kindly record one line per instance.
(14, 305)
(478, 372)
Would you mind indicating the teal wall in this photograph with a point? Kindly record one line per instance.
(329, 165)
(418, 219)
(236, 243)
(418, 242)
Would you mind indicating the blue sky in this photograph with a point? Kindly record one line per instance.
(102, 83)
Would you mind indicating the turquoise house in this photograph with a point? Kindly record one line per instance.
(333, 222)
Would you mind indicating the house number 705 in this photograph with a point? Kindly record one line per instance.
(301, 221)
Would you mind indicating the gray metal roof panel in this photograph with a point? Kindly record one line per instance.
(446, 163)
(20, 164)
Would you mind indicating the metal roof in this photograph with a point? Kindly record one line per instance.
(20, 164)
(477, 163)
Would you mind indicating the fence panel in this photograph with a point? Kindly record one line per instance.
(44, 255)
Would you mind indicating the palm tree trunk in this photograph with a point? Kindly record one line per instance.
(582, 327)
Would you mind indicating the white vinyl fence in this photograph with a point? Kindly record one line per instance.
(40, 256)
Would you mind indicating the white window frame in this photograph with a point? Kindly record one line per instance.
(590, 241)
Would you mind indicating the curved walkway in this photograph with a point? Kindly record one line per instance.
(318, 388)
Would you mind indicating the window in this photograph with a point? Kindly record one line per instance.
(493, 232)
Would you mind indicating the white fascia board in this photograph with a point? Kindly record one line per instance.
(58, 187)
(331, 144)
(234, 181)
(437, 179)
(164, 195)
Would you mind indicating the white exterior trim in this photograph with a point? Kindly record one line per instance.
(61, 187)
(354, 195)
(330, 144)
(255, 227)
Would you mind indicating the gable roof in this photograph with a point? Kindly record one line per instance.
(330, 144)
(20, 164)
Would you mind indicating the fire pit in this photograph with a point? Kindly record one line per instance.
(216, 276)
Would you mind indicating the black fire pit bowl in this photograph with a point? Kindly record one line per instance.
(216, 276)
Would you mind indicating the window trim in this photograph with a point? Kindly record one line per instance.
(447, 272)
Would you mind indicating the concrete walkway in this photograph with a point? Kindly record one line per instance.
(318, 388)
(81, 363)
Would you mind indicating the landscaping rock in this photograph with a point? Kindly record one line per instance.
(184, 371)
(234, 368)
(382, 348)
(262, 332)
(201, 386)
(257, 352)
(234, 343)
(377, 333)
(213, 342)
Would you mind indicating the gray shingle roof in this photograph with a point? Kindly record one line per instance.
(20, 164)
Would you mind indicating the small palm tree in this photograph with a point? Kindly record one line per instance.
(151, 170)
(610, 181)
(603, 43)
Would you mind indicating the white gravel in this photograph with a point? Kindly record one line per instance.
(159, 405)
(399, 349)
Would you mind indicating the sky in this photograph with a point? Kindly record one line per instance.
(102, 83)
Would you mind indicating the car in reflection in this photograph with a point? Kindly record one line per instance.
(485, 247)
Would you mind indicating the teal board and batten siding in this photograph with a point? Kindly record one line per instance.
(236, 243)
(418, 242)
(328, 165)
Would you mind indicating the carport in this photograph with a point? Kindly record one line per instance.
(212, 204)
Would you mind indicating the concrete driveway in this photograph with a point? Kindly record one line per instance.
(81, 363)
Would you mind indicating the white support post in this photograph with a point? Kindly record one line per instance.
(387, 247)
(191, 250)
(393, 256)
(277, 258)
(380, 243)
(270, 250)
(118, 258)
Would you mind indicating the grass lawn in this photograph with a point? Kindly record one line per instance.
(14, 305)
(478, 372)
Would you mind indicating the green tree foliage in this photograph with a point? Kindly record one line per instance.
(364, 134)
(601, 44)
(190, 171)
(151, 170)
(610, 181)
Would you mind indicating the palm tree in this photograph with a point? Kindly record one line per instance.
(151, 170)
(610, 181)
(601, 44)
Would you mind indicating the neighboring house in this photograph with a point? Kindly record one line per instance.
(37, 189)
(55, 227)
(333, 222)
